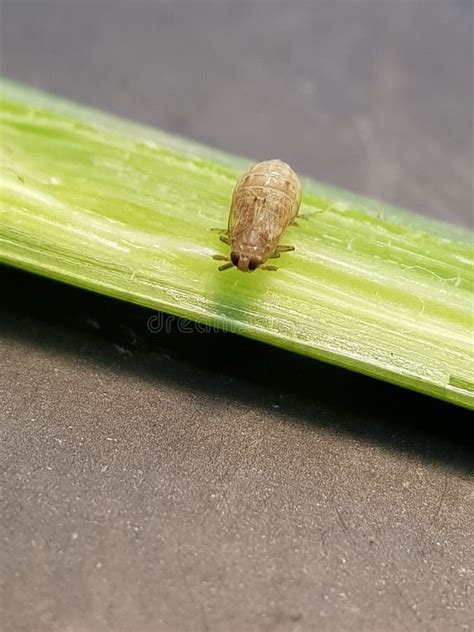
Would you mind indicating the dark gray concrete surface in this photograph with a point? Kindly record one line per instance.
(172, 482)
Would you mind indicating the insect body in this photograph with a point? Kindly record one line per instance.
(265, 202)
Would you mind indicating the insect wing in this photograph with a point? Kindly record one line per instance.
(245, 208)
(274, 217)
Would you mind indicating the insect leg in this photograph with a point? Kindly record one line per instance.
(226, 266)
(225, 239)
(298, 217)
(219, 230)
(282, 248)
(275, 255)
(270, 268)
(305, 216)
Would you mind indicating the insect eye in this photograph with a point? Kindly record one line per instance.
(253, 263)
(234, 257)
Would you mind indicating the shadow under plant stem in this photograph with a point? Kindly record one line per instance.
(68, 320)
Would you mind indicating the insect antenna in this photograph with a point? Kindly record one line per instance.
(227, 265)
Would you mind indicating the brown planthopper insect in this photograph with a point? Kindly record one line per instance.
(265, 202)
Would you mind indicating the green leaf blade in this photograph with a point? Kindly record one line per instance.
(118, 208)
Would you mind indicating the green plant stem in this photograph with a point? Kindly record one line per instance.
(121, 209)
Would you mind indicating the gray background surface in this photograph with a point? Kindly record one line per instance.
(204, 482)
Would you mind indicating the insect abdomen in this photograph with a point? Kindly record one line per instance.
(265, 201)
(273, 177)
